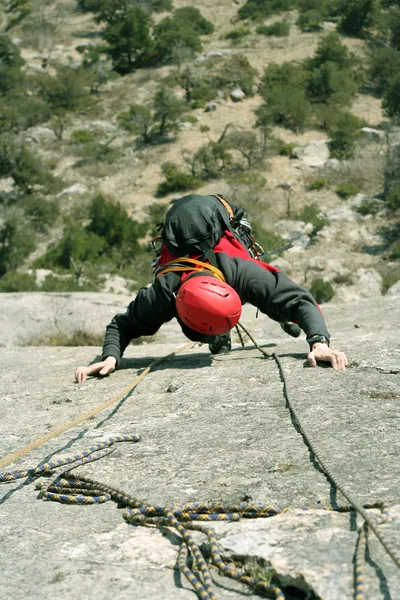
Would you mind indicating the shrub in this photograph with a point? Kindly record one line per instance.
(236, 71)
(391, 99)
(392, 198)
(312, 214)
(23, 166)
(202, 92)
(289, 107)
(278, 29)
(67, 90)
(79, 337)
(237, 35)
(317, 184)
(331, 50)
(384, 65)
(287, 74)
(357, 16)
(310, 20)
(284, 148)
(331, 83)
(138, 119)
(368, 206)
(82, 136)
(41, 212)
(269, 240)
(15, 281)
(16, 243)
(176, 180)
(343, 136)
(261, 9)
(182, 30)
(321, 290)
(189, 16)
(390, 279)
(346, 190)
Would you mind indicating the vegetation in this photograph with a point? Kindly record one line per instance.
(67, 95)
(312, 214)
(346, 190)
(321, 290)
(278, 29)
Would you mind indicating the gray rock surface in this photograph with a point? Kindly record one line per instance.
(214, 429)
(313, 154)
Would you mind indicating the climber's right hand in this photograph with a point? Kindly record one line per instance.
(102, 368)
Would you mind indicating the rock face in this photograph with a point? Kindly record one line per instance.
(313, 154)
(214, 429)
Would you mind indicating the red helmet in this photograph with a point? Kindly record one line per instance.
(208, 305)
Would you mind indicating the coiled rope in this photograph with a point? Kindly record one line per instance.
(63, 486)
(79, 489)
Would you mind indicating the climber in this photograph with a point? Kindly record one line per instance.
(209, 265)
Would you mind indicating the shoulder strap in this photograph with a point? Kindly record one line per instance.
(226, 204)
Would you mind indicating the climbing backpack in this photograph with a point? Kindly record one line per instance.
(195, 224)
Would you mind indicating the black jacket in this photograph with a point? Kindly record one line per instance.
(274, 294)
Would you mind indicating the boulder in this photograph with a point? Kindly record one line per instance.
(210, 107)
(40, 134)
(77, 189)
(314, 154)
(394, 290)
(374, 135)
(237, 95)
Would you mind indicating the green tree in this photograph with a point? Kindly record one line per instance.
(391, 99)
(248, 145)
(287, 74)
(16, 242)
(68, 90)
(19, 112)
(331, 49)
(189, 16)
(343, 136)
(330, 83)
(129, 41)
(289, 107)
(176, 180)
(384, 65)
(138, 119)
(358, 15)
(110, 222)
(168, 109)
(236, 71)
(169, 35)
(24, 167)
(11, 76)
(77, 244)
(261, 9)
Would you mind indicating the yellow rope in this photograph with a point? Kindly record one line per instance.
(192, 265)
(7, 460)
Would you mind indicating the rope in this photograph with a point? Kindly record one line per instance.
(184, 264)
(78, 489)
(65, 487)
(371, 523)
(7, 460)
(254, 341)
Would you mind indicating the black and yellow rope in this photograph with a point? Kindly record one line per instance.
(63, 486)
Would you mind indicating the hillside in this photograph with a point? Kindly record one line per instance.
(339, 213)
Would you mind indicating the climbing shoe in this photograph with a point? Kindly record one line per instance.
(221, 344)
(291, 329)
